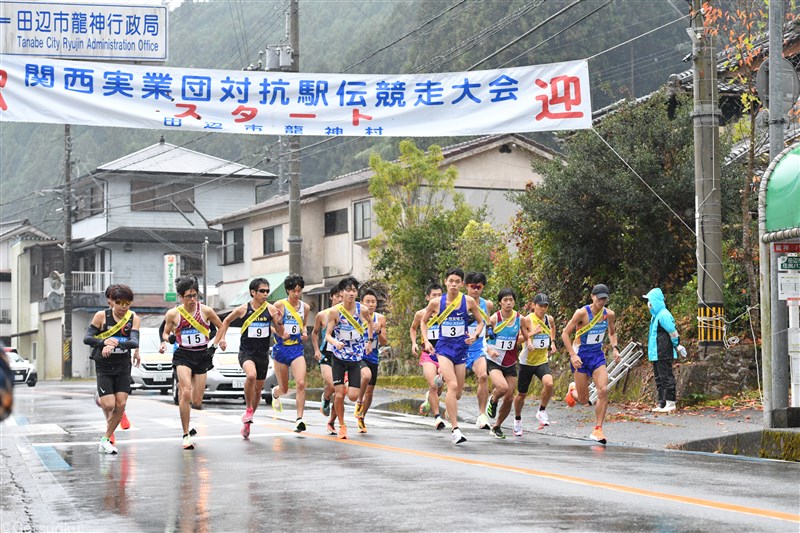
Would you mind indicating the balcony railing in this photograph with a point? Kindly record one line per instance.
(91, 282)
(5, 310)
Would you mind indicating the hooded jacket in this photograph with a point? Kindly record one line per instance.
(663, 337)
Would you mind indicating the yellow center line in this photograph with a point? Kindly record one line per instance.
(700, 502)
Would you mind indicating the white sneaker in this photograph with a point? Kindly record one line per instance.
(457, 437)
(517, 428)
(438, 423)
(669, 407)
(657, 409)
(482, 422)
(276, 402)
(106, 446)
(542, 417)
(299, 425)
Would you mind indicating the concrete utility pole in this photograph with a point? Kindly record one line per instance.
(66, 349)
(708, 204)
(295, 236)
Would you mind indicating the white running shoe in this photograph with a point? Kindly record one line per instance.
(438, 423)
(482, 422)
(457, 437)
(106, 446)
(517, 428)
(276, 402)
(542, 417)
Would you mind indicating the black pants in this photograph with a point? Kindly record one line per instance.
(665, 381)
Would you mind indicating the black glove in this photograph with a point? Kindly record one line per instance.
(210, 351)
(490, 333)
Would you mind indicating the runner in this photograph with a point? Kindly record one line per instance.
(322, 350)
(288, 350)
(349, 327)
(257, 316)
(476, 357)
(376, 339)
(112, 334)
(590, 323)
(188, 325)
(428, 360)
(533, 362)
(501, 357)
(451, 348)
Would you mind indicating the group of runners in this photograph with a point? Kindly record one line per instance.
(458, 332)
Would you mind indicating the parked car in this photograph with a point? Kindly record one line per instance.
(155, 371)
(22, 369)
(226, 379)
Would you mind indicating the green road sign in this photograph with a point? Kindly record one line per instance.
(789, 262)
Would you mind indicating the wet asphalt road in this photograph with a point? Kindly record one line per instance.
(401, 476)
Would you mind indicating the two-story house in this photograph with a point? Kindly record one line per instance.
(131, 216)
(337, 222)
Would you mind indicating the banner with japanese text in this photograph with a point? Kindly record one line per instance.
(522, 99)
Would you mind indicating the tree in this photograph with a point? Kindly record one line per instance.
(420, 216)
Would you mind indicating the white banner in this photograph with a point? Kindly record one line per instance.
(522, 99)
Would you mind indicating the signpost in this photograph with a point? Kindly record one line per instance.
(84, 31)
(171, 273)
(789, 276)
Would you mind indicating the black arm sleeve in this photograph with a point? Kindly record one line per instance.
(90, 339)
(132, 342)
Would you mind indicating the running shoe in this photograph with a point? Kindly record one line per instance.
(362, 427)
(542, 417)
(106, 446)
(359, 408)
(657, 409)
(113, 440)
(342, 431)
(276, 402)
(491, 409)
(570, 398)
(669, 407)
(438, 381)
(457, 437)
(598, 435)
(517, 428)
(438, 423)
(196, 407)
(497, 431)
(326, 406)
(482, 422)
(187, 443)
(247, 417)
(245, 431)
(124, 423)
(425, 408)
(299, 425)
(329, 427)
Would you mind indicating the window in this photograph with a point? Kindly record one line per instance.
(233, 249)
(148, 195)
(273, 240)
(89, 201)
(336, 222)
(362, 220)
(191, 266)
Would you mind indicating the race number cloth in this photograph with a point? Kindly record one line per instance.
(193, 322)
(115, 328)
(298, 321)
(547, 97)
(356, 326)
(256, 314)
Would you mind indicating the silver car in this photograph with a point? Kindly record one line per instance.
(155, 371)
(226, 379)
(23, 370)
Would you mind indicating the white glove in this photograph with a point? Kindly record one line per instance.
(681, 350)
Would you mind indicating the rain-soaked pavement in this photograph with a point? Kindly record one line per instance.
(401, 476)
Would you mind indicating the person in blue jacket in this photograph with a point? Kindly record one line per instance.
(662, 344)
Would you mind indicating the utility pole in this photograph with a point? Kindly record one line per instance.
(66, 349)
(708, 205)
(295, 237)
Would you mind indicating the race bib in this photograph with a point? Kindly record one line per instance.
(433, 334)
(293, 329)
(348, 335)
(192, 337)
(505, 344)
(595, 338)
(540, 342)
(258, 330)
(452, 331)
(118, 349)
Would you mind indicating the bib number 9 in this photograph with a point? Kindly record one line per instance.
(257, 332)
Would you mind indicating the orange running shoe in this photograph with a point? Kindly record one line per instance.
(124, 423)
(342, 432)
(570, 398)
(598, 435)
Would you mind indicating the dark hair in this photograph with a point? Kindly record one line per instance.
(185, 283)
(256, 283)
(506, 292)
(432, 286)
(295, 280)
(346, 283)
(110, 289)
(475, 277)
(334, 291)
(369, 292)
(120, 292)
(454, 271)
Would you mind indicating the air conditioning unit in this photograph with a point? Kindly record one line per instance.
(330, 271)
(54, 284)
